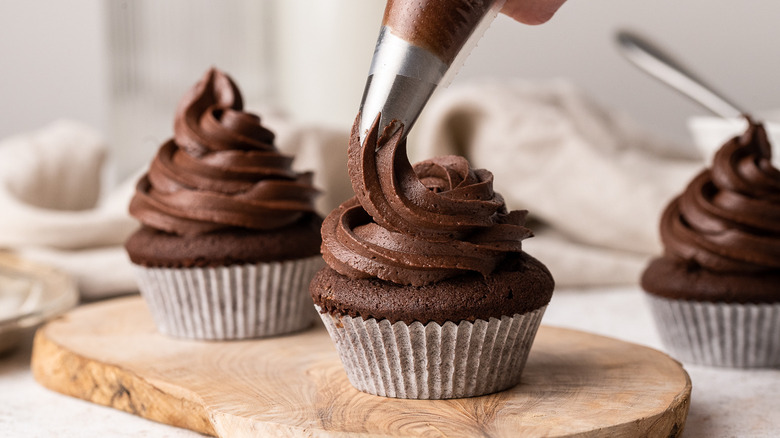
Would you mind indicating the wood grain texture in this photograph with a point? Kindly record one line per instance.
(575, 384)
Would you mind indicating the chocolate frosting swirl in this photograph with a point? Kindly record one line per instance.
(417, 225)
(728, 218)
(221, 169)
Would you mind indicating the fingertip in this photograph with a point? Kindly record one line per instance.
(532, 12)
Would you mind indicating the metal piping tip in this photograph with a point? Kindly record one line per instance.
(403, 76)
(401, 80)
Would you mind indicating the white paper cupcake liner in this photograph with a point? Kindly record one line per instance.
(719, 334)
(230, 302)
(433, 361)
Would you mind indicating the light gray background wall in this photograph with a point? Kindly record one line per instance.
(53, 59)
(734, 46)
(51, 63)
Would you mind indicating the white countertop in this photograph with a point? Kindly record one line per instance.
(725, 402)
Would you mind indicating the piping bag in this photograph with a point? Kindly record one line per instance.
(421, 46)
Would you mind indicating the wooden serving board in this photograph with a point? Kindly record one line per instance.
(575, 384)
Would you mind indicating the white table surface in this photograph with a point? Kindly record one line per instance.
(725, 403)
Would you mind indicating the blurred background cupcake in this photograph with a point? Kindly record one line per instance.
(715, 293)
(229, 238)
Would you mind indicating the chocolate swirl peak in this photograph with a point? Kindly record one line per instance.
(221, 169)
(417, 225)
(728, 218)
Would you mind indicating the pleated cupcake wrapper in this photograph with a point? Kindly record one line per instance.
(230, 302)
(719, 334)
(433, 361)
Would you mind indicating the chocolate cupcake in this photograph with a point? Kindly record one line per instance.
(428, 294)
(715, 292)
(229, 238)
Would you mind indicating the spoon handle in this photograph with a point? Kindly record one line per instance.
(660, 65)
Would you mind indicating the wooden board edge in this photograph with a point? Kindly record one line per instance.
(668, 424)
(679, 407)
(671, 422)
(109, 385)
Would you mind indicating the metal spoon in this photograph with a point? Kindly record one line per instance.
(663, 67)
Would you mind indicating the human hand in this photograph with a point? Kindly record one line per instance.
(531, 11)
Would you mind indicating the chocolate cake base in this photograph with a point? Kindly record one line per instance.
(676, 279)
(153, 248)
(521, 284)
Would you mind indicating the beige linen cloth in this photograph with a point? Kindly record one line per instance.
(50, 182)
(594, 182)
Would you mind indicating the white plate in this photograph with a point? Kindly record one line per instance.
(29, 295)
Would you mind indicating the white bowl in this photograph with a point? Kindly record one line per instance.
(30, 294)
(709, 134)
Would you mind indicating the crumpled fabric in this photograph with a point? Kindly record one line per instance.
(51, 207)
